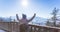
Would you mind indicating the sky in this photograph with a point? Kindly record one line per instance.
(42, 8)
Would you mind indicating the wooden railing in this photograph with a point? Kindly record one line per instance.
(9, 26)
(14, 27)
(40, 28)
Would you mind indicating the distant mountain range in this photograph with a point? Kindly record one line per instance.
(36, 20)
(5, 19)
(39, 21)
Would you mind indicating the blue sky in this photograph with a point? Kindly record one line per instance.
(42, 8)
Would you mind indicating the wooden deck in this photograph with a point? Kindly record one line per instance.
(14, 27)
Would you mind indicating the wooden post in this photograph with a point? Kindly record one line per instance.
(34, 29)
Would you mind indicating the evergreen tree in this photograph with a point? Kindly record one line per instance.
(54, 13)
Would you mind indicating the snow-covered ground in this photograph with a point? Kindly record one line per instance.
(2, 31)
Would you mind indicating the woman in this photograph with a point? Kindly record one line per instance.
(24, 22)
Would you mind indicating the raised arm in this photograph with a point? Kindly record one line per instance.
(17, 17)
(32, 18)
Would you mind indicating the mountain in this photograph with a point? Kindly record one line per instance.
(39, 21)
(5, 19)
